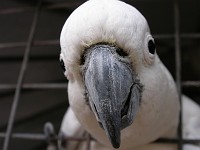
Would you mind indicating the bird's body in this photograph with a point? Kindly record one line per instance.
(91, 40)
(191, 129)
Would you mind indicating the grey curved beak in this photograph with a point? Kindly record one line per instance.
(114, 95)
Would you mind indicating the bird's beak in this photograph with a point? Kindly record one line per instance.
(113, 91)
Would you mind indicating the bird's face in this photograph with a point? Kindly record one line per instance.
(109, 67)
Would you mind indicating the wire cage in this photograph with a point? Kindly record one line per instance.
(33, 87)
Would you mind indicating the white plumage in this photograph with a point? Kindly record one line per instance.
(117, 23)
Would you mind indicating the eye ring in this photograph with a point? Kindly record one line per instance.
(149, 49)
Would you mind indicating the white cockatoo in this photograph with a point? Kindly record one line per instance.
(119, 91)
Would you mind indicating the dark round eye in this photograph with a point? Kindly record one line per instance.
(121, 52)
(152, 47)
(62, 65)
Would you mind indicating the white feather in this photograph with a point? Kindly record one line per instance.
(121, 24)
(191, 130)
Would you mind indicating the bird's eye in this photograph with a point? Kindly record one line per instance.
(62, 65)
(121, 52)
(152, 47)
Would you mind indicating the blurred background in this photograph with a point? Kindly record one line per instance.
(29, 38)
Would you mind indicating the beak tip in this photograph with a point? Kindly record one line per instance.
(116, 145)
(115, 141)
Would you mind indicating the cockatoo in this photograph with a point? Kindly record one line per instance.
(119, 91)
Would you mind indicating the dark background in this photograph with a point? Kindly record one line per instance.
(39, 105)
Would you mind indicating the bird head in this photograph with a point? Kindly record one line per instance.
(105, 48)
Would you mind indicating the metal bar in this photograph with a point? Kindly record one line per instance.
(186, 84)
(163, 36)
(178, 68)
(191, 84)
(64, 5)
(88, 141)
(171, 140)
(190, 35)
(13, 44)
(61, 5)
(20, 79)
(33, 58)
(41, 136)
(15, 10)
(182, 36)
(34, 43)
(56, 42)
(47, 86)
(26, 136)
(46, 42)
(35, 86)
